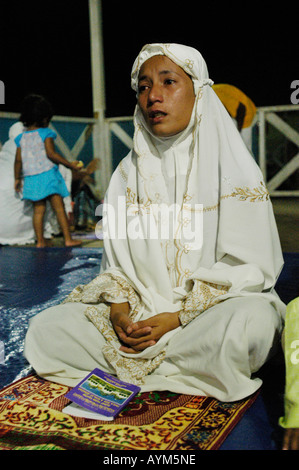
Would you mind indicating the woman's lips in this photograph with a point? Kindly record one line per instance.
(156, 116)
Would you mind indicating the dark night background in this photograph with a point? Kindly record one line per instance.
(45, 48)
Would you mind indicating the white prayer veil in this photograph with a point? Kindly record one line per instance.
(207, 172)
(188, 58)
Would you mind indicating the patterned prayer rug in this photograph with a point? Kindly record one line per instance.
(31, 419)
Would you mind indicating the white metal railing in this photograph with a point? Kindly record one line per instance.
(72, 153)
(113, 127)
(270, 115)
(264, 115)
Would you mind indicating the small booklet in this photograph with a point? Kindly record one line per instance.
(100, 396)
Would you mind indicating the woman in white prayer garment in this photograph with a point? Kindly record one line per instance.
(185, 299)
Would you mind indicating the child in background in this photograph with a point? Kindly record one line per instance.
(37, 159)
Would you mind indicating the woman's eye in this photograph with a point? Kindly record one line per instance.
(169, 81)
(142, 88)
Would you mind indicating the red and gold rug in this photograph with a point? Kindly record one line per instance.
(31, 418)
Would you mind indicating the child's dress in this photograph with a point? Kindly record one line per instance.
(41, 176)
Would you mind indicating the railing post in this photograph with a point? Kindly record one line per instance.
(101, 151)
(262, 144)
(103, 174)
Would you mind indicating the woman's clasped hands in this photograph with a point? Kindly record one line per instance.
(136, 337)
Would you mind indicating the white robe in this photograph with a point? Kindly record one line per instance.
(222, 282)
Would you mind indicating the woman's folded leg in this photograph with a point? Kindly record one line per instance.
(217, 353)
(63, 346)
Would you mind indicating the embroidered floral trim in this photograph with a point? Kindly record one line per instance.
(252, 195)
(132, 370)
(106, 288)
(122, 171)
(257, 194)
(203, 295)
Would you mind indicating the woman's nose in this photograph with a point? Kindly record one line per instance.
(155, 94)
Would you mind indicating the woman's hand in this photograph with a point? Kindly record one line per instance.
(123, 325)
(146, 333)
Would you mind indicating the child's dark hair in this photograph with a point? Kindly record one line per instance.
(35, 110)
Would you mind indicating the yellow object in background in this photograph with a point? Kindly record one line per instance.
(231, 97)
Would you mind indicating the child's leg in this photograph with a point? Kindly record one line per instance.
(58, 207)
(39, 209)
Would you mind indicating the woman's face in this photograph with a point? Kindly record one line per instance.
(165, 96)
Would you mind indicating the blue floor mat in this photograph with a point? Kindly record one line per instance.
(34, 279)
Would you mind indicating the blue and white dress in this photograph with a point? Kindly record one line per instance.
(41, 176)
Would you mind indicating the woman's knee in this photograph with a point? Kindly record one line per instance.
(263, 326)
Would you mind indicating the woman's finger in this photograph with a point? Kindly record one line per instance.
(140, 332)
(138, 348)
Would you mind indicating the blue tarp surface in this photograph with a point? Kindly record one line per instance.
(32, 280)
